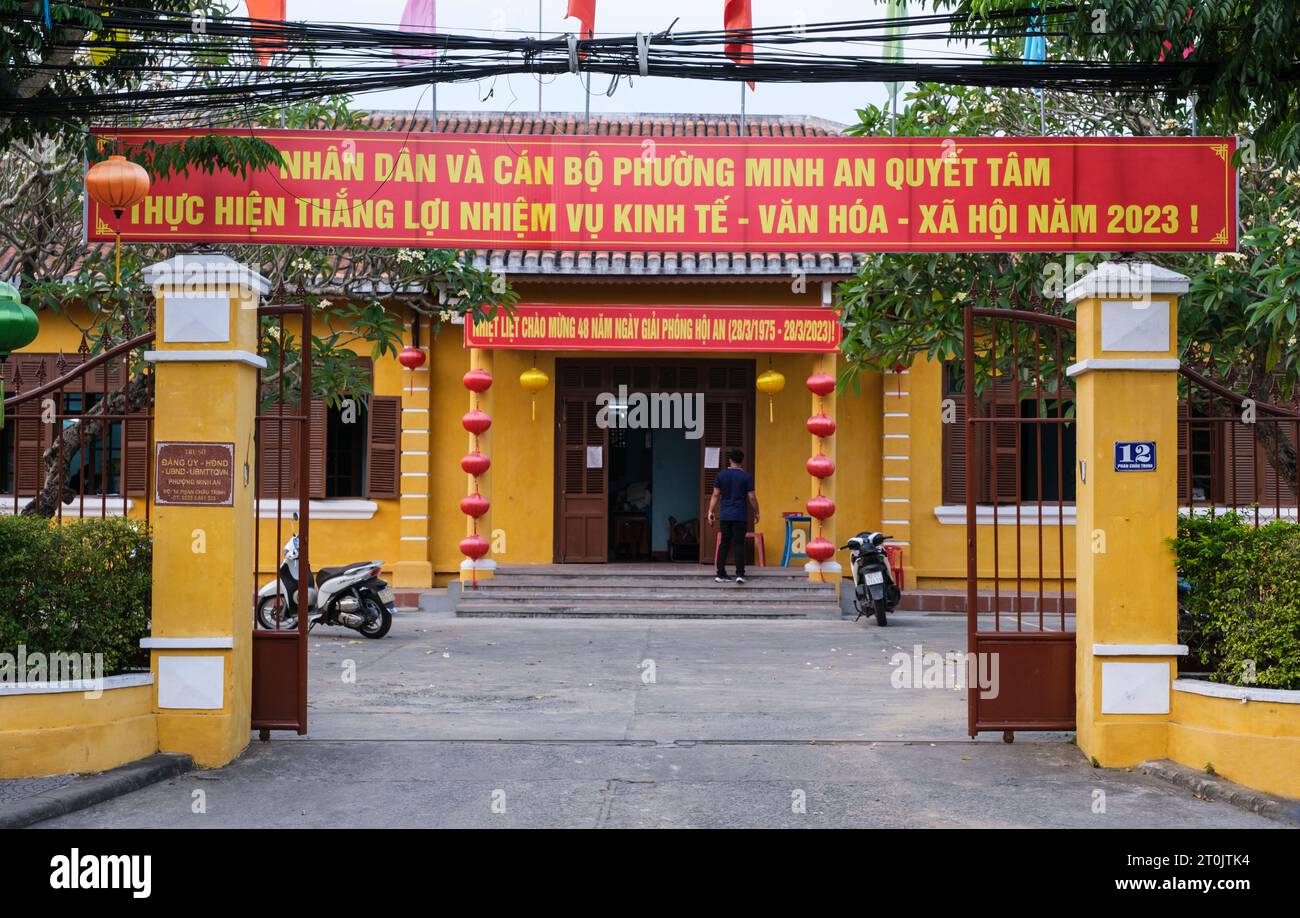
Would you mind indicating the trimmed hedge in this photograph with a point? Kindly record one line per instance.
(1243, 608)
(83, 586)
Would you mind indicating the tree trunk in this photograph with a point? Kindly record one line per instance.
(134, 396)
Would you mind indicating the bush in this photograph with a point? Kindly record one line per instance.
(83, 586)
(1244, 602)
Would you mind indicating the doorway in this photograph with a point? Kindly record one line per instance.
(638, 444)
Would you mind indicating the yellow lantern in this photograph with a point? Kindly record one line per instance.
(770, 382)
(534, 381)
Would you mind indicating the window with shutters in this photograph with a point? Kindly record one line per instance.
(109, 463)
(1016, 461)
(354, 448)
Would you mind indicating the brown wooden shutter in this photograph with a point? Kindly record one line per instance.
(954, 444)
(32, 434)
(1272, 491)
(383, 459)
(1240, 486)
(1004, 444)
(135, 456)
(277, 453)
(319, 420)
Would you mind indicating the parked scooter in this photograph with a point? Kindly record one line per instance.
(351, 596)
(874, 589)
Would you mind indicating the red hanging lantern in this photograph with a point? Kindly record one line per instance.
(821, 425)
(474, 505)
(822, 508)
(820, 466)
(478, 380)
(474, 547)
(475, 463)
(821, 384)
(475, 421)
(820, 550)
(411, 357)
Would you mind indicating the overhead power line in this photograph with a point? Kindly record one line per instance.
(175, 71)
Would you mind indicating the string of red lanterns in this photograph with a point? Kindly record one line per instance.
(474, 505)
(821, 467)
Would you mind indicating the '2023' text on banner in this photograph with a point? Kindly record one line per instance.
(564, 327)
(816, 194)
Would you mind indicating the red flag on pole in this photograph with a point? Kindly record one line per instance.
(266, 9)
(738, 16)
(585, 12)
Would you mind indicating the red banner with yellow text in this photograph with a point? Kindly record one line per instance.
(805, 194)
(555, 327)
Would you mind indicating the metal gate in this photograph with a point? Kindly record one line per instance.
(283, 436)
(1017, 418)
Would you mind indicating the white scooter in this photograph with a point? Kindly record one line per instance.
(352, 596)
(874, 589)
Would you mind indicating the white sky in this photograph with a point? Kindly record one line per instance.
(835, 101)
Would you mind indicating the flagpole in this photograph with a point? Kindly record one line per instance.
(742, 108)
(539, 38)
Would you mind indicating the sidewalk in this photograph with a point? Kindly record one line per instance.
(451, 721)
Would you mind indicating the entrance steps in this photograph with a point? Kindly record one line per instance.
(644, 591)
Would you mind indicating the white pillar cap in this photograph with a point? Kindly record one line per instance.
(205, 272)
(1126, 280)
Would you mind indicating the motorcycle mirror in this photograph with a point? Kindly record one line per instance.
(295, 516)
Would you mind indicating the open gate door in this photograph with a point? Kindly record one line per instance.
(1018, 417)
(284, 452)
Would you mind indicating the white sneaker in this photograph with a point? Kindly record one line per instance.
(720, 580)
(740, 580)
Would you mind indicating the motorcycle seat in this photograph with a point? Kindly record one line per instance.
(329, 573)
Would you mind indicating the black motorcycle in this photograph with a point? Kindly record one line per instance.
(874, 589)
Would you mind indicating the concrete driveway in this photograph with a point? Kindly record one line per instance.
(493, 722)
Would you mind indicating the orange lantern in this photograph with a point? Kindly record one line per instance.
(117, 183)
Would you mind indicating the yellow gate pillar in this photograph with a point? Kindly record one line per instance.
(205, 402)
(1126, 379)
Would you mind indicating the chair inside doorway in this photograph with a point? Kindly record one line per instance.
(654, 486)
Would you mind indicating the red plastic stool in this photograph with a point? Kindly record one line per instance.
(895, 555)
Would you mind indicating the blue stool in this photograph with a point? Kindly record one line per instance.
(792, 520)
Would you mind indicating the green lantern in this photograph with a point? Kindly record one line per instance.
(18, 328)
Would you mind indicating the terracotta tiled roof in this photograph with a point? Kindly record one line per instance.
(634, 124)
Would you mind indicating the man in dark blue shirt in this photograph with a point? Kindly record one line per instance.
(733, 488)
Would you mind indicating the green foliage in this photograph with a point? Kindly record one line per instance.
(1251, 45)
(207, 153)
(83, 586)
(1244, 602)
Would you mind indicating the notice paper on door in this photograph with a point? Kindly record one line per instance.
(594, 458)
(711, 456)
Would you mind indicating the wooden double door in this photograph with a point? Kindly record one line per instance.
(582, 443)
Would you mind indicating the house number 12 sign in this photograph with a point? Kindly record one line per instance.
(1135, 456)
